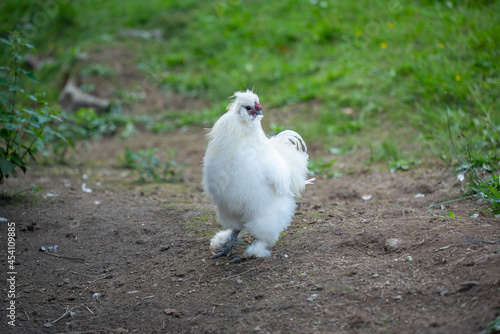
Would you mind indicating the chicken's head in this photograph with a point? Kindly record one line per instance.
(247, 105)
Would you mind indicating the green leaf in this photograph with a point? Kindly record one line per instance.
(15, 88)
(5, 41)
(6, 166)
(29, 111)
(14, 157)
(55, 133)
(31, 76)
(4, 134)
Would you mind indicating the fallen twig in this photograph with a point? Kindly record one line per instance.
(88, 309)
(68, 311)
(451, 201)
(65, 257)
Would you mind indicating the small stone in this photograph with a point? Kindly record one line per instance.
(481, 259)
(312, 297)
(392, 244)
(172, 312)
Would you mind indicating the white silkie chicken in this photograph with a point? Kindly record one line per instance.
(252, 179)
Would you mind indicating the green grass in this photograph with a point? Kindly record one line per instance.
(368, 72)
(150, 168)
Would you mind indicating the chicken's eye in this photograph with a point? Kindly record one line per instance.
(247, 108)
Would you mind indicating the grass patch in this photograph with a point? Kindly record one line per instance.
(384, 71)
(148, 166)
(477, 150)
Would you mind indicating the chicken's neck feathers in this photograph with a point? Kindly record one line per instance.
(230, 132)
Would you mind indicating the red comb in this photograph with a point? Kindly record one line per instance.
(258, 106)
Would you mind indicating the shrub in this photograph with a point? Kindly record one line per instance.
(24, 117)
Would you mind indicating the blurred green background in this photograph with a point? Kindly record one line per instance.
(392, 77)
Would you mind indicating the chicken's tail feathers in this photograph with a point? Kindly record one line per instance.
(294, 138)
(293, 150)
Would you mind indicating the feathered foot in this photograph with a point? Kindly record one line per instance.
(227, 247)
(257, 248)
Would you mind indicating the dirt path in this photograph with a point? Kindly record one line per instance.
(135, 258)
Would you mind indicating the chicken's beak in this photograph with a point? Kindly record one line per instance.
(259, 112)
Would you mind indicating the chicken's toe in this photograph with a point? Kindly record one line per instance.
(231, 243)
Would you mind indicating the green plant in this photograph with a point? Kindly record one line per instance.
(97, 69)
(35, 189)
(85, 125)
(322, 167)
(275, 129)
(387, 150)
(485, 187)
(334, 76)
(149, 167)
(24, 117)
(401, 164)
(477, 156)
(493, 327)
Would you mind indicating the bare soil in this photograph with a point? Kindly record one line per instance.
(134, 258)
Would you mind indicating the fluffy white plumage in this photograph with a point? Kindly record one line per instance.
(252, 179)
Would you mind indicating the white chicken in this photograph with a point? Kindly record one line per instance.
(252, 179)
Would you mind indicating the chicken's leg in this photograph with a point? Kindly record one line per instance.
(231, 243)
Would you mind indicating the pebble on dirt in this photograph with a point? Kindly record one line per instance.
(392, 244)
(172, 312)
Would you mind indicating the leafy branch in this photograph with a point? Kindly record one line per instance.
(24, 117)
